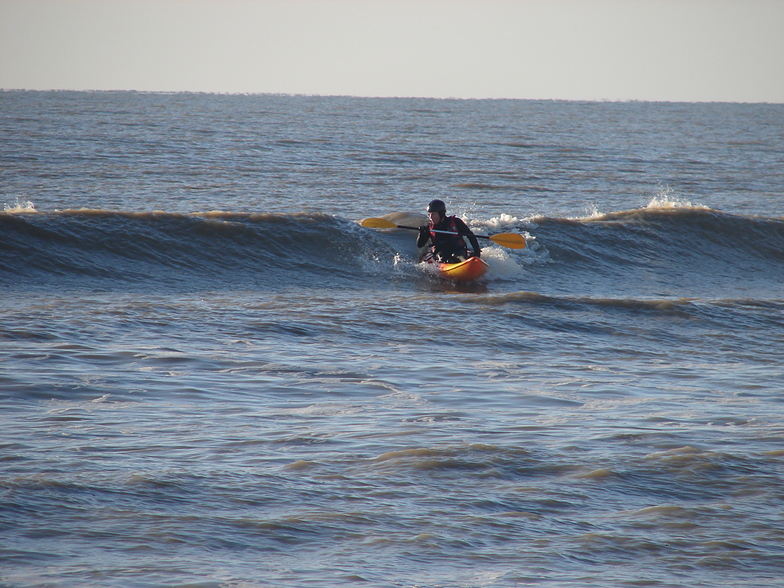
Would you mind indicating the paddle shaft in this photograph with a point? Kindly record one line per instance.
(437, 231)
(511, 240)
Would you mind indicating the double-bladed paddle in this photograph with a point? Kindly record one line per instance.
(511, 240)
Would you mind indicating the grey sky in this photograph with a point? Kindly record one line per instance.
(680, 50)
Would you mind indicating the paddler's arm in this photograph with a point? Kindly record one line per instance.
(424, 235)
(463, 229)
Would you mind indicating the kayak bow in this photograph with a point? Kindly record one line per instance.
(469, 270)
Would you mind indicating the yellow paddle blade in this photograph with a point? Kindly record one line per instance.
(511, 240)
(378, 223)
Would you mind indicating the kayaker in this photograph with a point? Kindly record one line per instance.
(446, 248)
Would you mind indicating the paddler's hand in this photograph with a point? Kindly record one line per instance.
(424, 236)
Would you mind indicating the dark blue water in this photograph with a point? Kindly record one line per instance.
(212, 375)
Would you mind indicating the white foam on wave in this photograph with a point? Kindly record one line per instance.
(20, 206)
(503, 222)
(666, 198)
(502, 265)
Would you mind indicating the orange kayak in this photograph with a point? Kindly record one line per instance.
(469, 270)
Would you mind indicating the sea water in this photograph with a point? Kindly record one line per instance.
(212, 376)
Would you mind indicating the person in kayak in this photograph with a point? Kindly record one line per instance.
(444, 247)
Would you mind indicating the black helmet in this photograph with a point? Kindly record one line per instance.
(437, 206)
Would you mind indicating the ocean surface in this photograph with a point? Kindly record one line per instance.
(211, 376)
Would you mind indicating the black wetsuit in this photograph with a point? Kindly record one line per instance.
(448, 248)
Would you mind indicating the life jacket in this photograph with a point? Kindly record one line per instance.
(442, 241)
